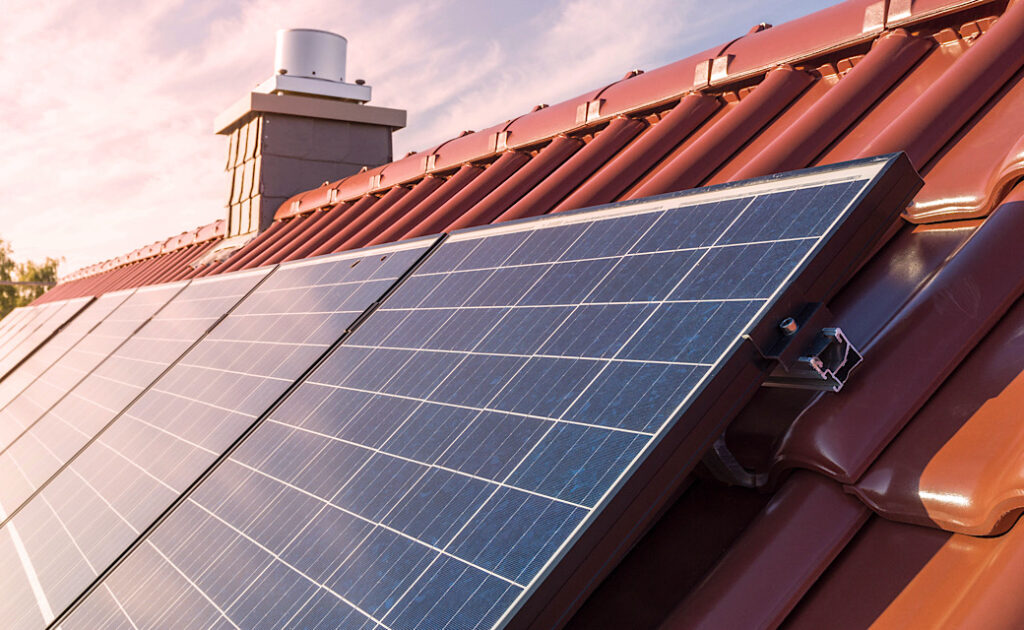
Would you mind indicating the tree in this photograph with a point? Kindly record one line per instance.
(13, 294)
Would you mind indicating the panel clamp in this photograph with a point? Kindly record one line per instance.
(808, 354)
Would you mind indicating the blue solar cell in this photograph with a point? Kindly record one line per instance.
(450, 451)
(635, 395)
(326, 612)
(700, 226)
(690, 332)
(329, 534)
(515, 532)
(453, 591)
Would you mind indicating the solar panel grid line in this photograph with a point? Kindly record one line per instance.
(60, 380)
(18, 380)
(453, 471)
(636, 331)
(11, 319)
(502, 411)
(115, 412)
(79, 348)
(433, 577)
(33, 581)
(423, 473)
(537, 443)
(672, 290)
(554, 331)
(35, 315)
(467, 522)
(613, 487)
(341, 596)
(600, 258)
(232, 624)
(185, 577)
(423, 245)
(327, 505)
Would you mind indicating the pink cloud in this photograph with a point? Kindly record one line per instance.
(109, 142)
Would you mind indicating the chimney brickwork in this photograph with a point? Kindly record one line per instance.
(281, 143)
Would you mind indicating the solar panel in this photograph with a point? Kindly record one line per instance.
(74, 365)
(55, 438)
(17, 320)
(35, 317)
(62, 313)
(55, 348)
(13, 319)
(484, 424)
(83, 518)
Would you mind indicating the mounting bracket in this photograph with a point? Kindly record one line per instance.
(809, 353)
(724, 466)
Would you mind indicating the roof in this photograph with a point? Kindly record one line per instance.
(896, 499)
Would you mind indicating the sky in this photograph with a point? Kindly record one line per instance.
(106, 118)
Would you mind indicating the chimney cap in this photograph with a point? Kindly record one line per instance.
(312, 61)
(310, 53)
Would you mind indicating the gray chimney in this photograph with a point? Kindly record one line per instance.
(300, 128)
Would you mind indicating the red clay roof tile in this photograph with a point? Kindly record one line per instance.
(841, 435)
(778, 558)
(958, 463)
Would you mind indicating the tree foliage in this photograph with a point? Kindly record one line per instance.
(12, 296)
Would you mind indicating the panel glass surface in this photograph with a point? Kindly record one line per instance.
(35, 316)
(430, 472)
(60, 378)
(19, 319)
(93, 509)
(62, 313)
(55, 348)
(14, 319)
(66, 428)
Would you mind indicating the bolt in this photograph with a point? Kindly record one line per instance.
(788, 326)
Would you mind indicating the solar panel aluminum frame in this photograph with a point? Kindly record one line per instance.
(659, 474)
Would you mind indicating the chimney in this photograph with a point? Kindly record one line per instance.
(301, 127)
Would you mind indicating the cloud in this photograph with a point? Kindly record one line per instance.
(107, 142)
